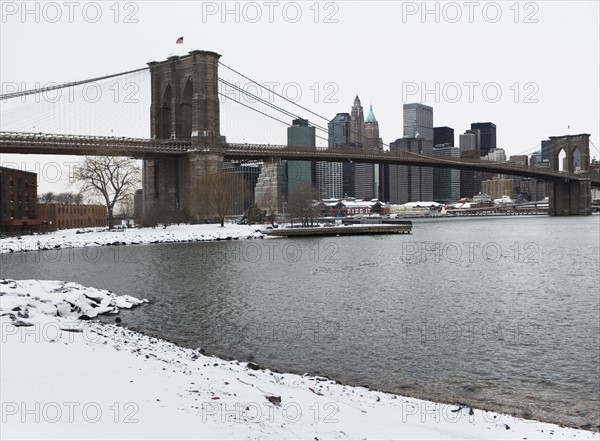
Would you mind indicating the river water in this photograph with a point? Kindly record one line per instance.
(500, 313)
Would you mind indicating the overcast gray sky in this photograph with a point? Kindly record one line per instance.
(529, 67)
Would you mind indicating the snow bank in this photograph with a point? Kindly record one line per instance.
(63, 378)
(133, 236)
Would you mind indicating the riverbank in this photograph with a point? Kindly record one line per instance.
(131, 236)
(66, 378)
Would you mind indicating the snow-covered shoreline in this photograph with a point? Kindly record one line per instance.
(66, 378)
(132, 236)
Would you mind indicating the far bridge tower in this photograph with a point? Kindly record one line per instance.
(571, 197)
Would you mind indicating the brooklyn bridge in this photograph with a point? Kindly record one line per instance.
(186, 143)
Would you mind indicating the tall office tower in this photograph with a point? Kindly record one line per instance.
(357, 124)
(408, 183)
(470, 181)
(535, 158)
(446, 181)
(358, 178)
(330, 179)
(546, 149)
(300, 174)
(418, 121)
(487, 132)
(366, 176)
(372, 140)
(470, 140)
(384, 182)
(443, 135)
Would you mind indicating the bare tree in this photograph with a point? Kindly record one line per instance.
(46, 198)
(218, 193)
(301, 204)
(66, 198)
(268, 202)
(112, 178)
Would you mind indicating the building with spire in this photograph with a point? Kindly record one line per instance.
(360, 174)
(370, 176)
(357, 123)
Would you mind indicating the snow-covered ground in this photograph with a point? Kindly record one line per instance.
(66, 378)
(132, 236)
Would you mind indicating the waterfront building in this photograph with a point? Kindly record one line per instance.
(18, 199)
(62, 216)
(497, 188)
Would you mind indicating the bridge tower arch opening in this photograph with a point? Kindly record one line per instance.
(185, 106)
(184, 116)
(570, 196)
(561, 159)
(164, 130)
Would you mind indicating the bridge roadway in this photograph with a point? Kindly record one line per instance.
(39, 143)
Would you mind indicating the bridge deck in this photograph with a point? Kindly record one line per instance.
(39, 143)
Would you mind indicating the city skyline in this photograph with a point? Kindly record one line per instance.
(325, 84)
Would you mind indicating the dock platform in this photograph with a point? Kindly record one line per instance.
(350, 230)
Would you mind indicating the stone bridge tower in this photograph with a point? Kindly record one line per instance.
(185, 106)
(571, 197)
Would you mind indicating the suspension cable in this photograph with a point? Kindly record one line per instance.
(64, 85)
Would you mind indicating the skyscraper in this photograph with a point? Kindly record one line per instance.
(546, 149)
(411, 184)
(487, 132)
(330, 174)
(443, 135)
(470, 180)
(446, 181)
(372, 143)
(418, 121)
(357, 124)
(372, 140)
(408, 183)
(300, 173)
(354, 174)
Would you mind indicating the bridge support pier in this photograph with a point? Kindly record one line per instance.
(185, 106)
(201, 165)
(570, 198)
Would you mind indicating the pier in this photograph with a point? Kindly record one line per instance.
(353, 230)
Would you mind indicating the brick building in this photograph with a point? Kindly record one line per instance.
(61, 216)
(18, 198)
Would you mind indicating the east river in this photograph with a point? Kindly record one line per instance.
(499, 313)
